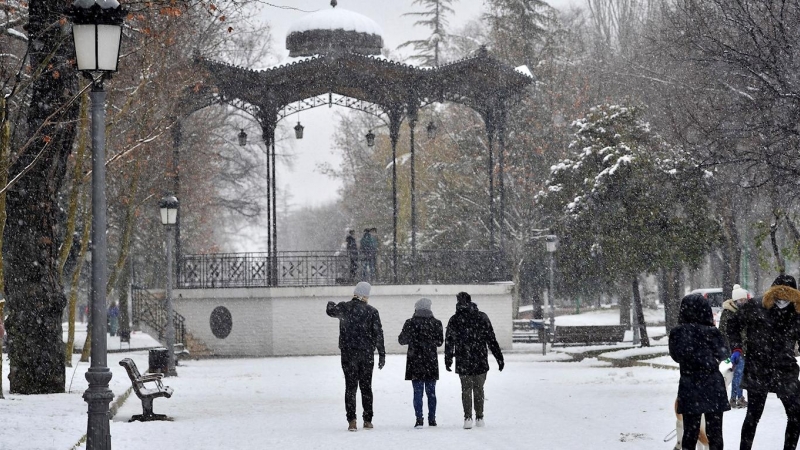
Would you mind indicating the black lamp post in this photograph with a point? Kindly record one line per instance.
(431, 129)
(242, 138)
(551, 242)
(97, 33)
(169, 215)
(370, 139)
(298, 130)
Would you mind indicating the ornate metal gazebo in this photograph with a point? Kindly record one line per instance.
(342, 66)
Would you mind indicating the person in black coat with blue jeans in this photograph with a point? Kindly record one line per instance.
(423, 333)
(699, 347)
(772, 326)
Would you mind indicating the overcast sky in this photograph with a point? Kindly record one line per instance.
(304, 181)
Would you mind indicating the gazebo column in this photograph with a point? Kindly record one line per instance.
(490, 131)
(268, 134)
(395, 118)
(412, 123)
(501, 186)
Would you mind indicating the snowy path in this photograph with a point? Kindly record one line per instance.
(296, 403)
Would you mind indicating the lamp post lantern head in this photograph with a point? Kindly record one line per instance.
(242, 138)
(431, 129)
(551, 240)
(169, 210)
(370, 139)
(97, 34)
(298, 130)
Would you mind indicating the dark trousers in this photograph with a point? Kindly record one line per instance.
(357, 367)
(472, 387)
(755, 407)
(691, 430)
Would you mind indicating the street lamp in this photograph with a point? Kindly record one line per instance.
(97, 34)
(551, 242)
(242, 138)
(298, 130)
(169, 215)
(370, 139)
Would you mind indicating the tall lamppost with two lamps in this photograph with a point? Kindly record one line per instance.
(97, 33)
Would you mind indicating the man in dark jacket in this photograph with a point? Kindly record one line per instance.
(360, 333)
(469, 334)
(772, 327)
(423, 334)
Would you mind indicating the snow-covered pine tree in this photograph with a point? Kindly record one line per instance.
(626, 202)
(433, 15)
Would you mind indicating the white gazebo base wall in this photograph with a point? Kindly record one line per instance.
(288, 321)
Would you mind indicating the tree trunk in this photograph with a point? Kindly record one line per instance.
(124, 317)
(637, 309)
(731, 250)
(76, 276)
(670, 298)
(35, 297)
(624, 308)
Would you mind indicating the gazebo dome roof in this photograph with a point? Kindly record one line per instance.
(334, 30)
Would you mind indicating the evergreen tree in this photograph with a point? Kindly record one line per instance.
(521, 29)
(434, 16)
(626, 202)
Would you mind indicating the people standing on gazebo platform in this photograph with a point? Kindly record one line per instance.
(352, 253)
(368, 253)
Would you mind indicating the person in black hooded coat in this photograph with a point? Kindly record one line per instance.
(469, 334)
(423, 333)
(772, 326)
(698, 346)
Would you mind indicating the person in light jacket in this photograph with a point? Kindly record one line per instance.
(423, 334)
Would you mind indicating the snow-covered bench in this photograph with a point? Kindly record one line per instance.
(529, 330)
(588, 334)
(146, 394)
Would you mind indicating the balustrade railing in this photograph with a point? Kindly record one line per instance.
(229, 270)
(151, 310)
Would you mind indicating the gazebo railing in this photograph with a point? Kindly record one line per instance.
(231, 270)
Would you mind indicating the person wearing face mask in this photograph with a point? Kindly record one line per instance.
(772, 326)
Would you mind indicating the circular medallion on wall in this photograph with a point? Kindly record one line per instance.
(221, 322)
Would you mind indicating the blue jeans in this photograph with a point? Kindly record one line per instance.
(429, 386)
(736, 384)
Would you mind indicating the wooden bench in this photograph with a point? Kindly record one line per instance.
(146, 394)
(589, 334)
(529, 330)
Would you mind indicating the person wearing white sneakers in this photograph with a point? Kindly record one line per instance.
(469, 335)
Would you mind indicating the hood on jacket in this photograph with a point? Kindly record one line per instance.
(781, 292)
(696, 309)
(731, 305)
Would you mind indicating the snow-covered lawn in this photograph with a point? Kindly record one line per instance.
(297, 403)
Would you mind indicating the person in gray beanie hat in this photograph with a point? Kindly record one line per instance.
(360, 333)
(423, 333)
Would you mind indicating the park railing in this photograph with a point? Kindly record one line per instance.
(231, 270)
(152, 311)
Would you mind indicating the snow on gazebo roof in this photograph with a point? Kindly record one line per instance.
(332, 30)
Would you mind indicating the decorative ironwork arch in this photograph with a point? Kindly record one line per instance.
(380, 87)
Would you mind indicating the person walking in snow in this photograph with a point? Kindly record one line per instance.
(771, 324)
(423, 334)
(469, 334)
(368, 255)
(698, 346)
(729, 307)
(360, 333)
(113, 318)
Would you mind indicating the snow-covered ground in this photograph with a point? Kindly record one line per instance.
(297, 403)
